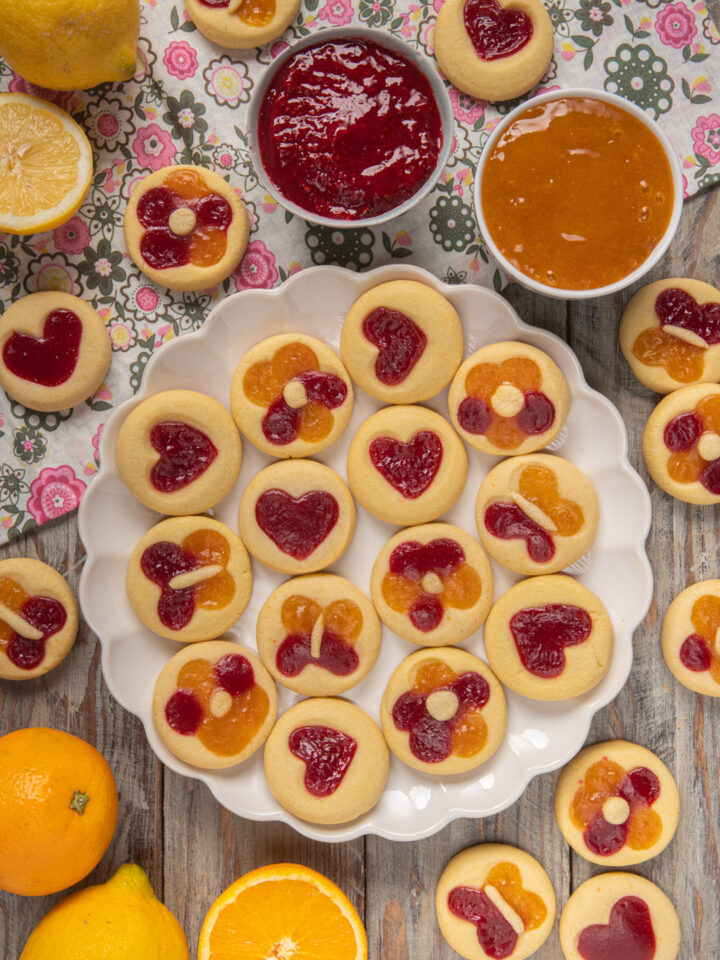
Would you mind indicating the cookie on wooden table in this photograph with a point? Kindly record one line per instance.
(242, 24)
(690, 637)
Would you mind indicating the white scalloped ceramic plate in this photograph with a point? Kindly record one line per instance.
(541, 736)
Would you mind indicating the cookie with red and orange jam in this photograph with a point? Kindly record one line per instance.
(189, 579)
(495, 902)
(691, 635)
(617, 804)
(38, 618)
(242, 24)
(670, 334)
(432, 585)
(291, 396)
(443, 711)
(186, 228)
(214, 704)
(681, 444)
(509, 398)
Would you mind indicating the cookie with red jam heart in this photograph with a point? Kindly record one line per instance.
(690, 634)
(326, 761)
(54, 351)
(619, 916)
(242, 24)
(495, 902)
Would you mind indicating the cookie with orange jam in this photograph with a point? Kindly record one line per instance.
(189, 579)
(670, 334)
(214, 704)
(509, 398)
(690, 635)
(495, 902)
(443, 711)
(186, 228)
(432, 585)
(681, 444)
(617, 804)
(291, 396)
(242, 24)
(536, 514)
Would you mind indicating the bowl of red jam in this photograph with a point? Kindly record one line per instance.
(578, 193)
(350, 127)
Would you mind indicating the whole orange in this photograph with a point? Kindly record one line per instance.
(58, 810)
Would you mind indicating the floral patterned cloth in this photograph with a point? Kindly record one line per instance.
(188, 104)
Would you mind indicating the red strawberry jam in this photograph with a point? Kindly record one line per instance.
(495, 935)
(508, 521)
(413, 561)
(184, 713)
(494, 31)
(408, 467)
(400, 343)
(680, 309)
(682, 432)
(327, 754)
(162, 249)
(49, 360)
(474, 415)
(297, 526)
(46, 615)
(337, 656)
(234, 673)
(695, 654)
(185, 454)
(161, 562)
(537, 415)
(640, 788)
(628, 936)
(281, 423)
(542, 633)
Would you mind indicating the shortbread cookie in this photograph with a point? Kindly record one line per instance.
(326, 761)
(432, 585)
(402, 341)
(242, 24)
(297, 516)
(549, 638)
(493, 50)
(318, 635)
(178, 452)
(214, 704)
(690, 634)
(681, 444)
(406, 465)
(443, 711)
(189, 579)
(670, 334)
(54, 351)
(509, 398)
(536, 514)
(619, 916)
(291, 396)
(617, 804)
(38, 618)
(186, 228)
(495, 901)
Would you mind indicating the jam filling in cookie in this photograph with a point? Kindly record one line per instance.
(400, 343)
(542, 633)
(185, 454)
(297, 525)
(693, 440)
(327, 754)
(698, 651)
(49, 360)
(408, 467)
(255, 13)
(26, 623)
(322, 637)
(494, 31)
(628, 935)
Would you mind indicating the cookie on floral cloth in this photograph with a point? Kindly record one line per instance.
(54, 351)
(617, 804)
(186, 228)
(242, 24)
(690, 634)
(494, 902)
(38, 618)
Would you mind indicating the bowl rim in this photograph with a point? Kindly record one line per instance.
(382, 39)
(661, 246)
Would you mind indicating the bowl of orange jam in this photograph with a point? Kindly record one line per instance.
(578, 193)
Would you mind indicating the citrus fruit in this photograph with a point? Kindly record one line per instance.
(70, 44)
(45, 164)
(284, 912)
(118, 920)
(58, 809)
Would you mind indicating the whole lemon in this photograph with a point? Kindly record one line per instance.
(118, 920)
(70, 44)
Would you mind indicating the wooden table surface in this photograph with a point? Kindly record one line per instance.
(192, 848)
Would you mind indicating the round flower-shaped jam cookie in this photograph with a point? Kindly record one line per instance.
(536, 514)
(619, 916)
(326, 761)
(178, 452)
(493, 50)
(432, 584)
(242, 24)
(214, 704)
(318, 635)
(291, 396)
(691, 635)
(681, 443)
(443, 711)
(495, 902)
(297, 516)
(549, 638)
(509, 398)
(186, 228)
(189, 579)
(54, 351)
(670, 334)
(38, 619)
(402, 341)
(617, 804)
(406, 465)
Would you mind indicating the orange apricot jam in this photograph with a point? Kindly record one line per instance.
(211, 548)
(256, 13)
(576, 193)
(684, 362)
(13, 596)
(507, 880)
(539, 485)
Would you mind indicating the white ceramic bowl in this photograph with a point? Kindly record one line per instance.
(657, 253)
(382, 39)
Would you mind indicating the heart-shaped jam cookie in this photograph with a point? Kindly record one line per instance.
(495, 31)
(410, 467)
(49, 360)
(400, 344)
(629, 934)
(185, 454)
(327, 754)
(541, 635)
(297, 525)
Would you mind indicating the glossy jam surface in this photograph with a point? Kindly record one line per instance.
(408, 467)
(256, 13)
(697, 652)
(577, 193)
(494, 31)
(341, 626)
(657, 347)
(681, 436)
(49, 360)
(542, 633)
(45, 614)
(508, 521)
(400, 343)
(348, 129)
(185, 454)
(629, 935)
(327, 754)
(297, 525)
